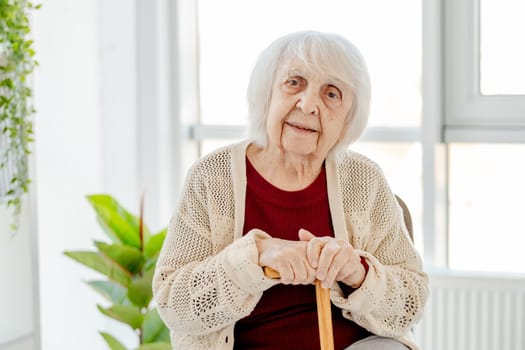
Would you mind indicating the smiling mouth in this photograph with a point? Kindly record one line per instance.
(300, 127)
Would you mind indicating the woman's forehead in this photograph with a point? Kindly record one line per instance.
(298, 67)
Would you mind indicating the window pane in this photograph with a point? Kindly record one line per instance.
(502, 49)
(401, 164)
(233, 32)
(486, 197)
(210, 145)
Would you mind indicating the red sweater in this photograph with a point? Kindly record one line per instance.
(286, 315)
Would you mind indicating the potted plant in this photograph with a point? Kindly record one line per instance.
(128, 263)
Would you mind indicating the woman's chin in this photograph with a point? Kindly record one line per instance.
(299, 149)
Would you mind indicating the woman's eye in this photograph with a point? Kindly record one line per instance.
(333, 94)
(293, 82)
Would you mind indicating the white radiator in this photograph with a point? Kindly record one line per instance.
(473, 313)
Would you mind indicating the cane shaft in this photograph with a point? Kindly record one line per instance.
(324, 311)
(324, 316)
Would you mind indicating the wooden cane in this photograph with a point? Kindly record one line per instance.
(324, 311)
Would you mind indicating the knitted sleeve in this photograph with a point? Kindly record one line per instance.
(395, 289)
(204, 280)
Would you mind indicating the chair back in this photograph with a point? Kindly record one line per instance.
(406, 217)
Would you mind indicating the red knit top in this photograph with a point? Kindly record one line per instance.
(286, 315)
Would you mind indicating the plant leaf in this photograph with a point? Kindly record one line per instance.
(123, 225)
(112, 342)
(155, 346)
(150, 263)
(163, 336)
(7, 83)
(129, 258)
(101, 264)
(108, 230)
(154, 329)
(154, 244)
(146, 232)
(139, 290)
(129, 315)
(111, 291)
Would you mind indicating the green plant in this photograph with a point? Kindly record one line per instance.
(16, 129)
(128, 263)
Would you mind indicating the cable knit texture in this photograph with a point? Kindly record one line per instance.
(208, 277)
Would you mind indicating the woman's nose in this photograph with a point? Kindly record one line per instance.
(308, 103)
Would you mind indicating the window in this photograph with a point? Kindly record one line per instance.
(447, 122)
(486, 193)
(484, 127)
(502, 71)
(228, 49)
(491, 28)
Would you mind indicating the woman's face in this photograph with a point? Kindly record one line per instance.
(307, 111)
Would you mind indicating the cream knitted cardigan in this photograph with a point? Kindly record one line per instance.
(207, 276)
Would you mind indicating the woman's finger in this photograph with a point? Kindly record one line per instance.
(299, 270)
(313, 252)
(314, 249)
(287, 274)
(305, 235)
(328, 252)
(310, 273)
(338, 263)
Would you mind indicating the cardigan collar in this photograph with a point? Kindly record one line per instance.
(239, 189)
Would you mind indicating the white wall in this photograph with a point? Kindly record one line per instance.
(106, 122)
(17, 281)
(85, 143)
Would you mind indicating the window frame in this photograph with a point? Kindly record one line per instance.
(469, 115)
(453, 110)
(198, 132)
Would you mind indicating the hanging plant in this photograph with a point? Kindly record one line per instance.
(16, 129)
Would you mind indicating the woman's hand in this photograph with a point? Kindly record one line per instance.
(333, 259)
(288, 258)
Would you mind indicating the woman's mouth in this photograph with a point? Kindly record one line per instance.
(300, 127)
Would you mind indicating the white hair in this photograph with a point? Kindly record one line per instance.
(328, 53)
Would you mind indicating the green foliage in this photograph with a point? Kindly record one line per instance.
(128, 263)
(112, 342)
(16, 128)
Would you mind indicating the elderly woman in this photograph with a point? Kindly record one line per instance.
(292, 198)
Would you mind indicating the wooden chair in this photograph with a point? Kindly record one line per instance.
(406, 217)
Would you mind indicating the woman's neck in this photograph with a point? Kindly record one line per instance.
(290, 172)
